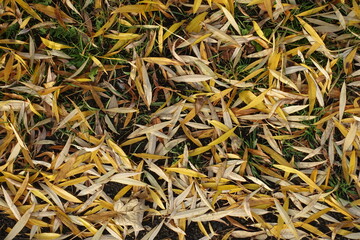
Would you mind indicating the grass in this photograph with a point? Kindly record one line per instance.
(137, 120)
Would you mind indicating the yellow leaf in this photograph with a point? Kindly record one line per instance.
(345, 168)
(254, 2)
(311, 31)
(219, 125)
(20, 141)
(268, 6)
(311, 11)
(123, 36)
(199, 39)
(53, 12)
(135, 9)
(253, 74)
(277, 157)
(122, 192)
(47, 236)
(203, 229)
(74, 181)
(156, 199)
(353, 163)
(20, 224)
(253, 101)
(25, 22)
(98, 63)
(317, 215)
(161, 61)
(185, 171)
(62, 193)
(196, 5)
(54, 45)
(260, 32)
(28, 9)
(300, 174)
(348, 61)
(11, 41)
(190, 136)
(106, 26)
(283, 79)
(22, 188)
(40, 195)
(230, 18)
(285, 137)
(223, 137)
(120, 152)
(356, 8)
(311, 92)
(32, 108)
(149, 156)
(8, 67)
(161, 39)
(221, 35)
(198, 151)
(195, 24)
(172, 29)
(132, 141)
(150, 45)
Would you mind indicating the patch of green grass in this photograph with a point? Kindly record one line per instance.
(344, 190)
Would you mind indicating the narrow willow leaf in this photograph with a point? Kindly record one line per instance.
(172, 29)
(342, 101)
(10, 204)
(54, 45)
(301, 175)
(156, 199)
(283, 79)
(28, 9)
(231, 19)
(196, 5)
(348, 61)
(120, 152)
(185, 171)
(62, 193)
(161, 61)
(254, 101)
(98, 63)
(123, 36)
(190, 214)
(53, 12)
(277, 157)
(191, 78)
(259, 31)
(312, 11)
(311, 31)
(20, 224)
(129, 181)
(219, 140)
(350, 137)
(106, 26)
(284, 215)
(195, 23)
(153, 232)
(268, 6)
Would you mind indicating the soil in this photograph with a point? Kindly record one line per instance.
(6, 222)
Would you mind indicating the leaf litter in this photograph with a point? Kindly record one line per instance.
(242, 113)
